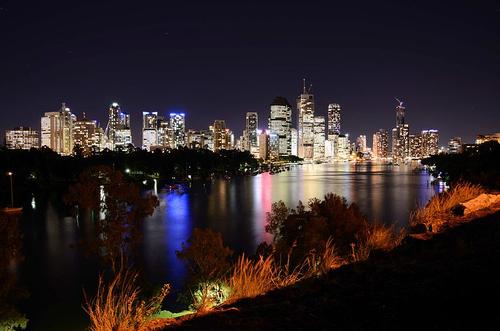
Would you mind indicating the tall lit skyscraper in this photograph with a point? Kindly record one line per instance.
(333, 119)
(305, 123)
(87, 134)
(220, 135)
(319, 137)
(22, 138)
(178, 129)
(149, 129)
(164, 134)
(400, 135)
(118, 130)
(250, 133)
(57, 130)
(381, 144)
(342, 148)
(430, 142)
(280, 124)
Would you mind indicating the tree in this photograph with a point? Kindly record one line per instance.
(120, 206)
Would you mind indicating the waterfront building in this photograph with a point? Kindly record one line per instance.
(250, 132)
(198, 138)
(294, 142)
(220, 136)
(319, 138)
(178, 129)
(400, 135)
(118, 132)
(87, 135)
(305, 123)
(416, 146)
(455, 145)
(430, 142)
(149, 130)
(264, 145)
(22, 138)
(342, 148)
(57, 130)
(361, 143)
(333, 119)
(280, 124)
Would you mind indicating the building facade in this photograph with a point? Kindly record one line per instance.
(333, 119)
(57, 130)
(280, 125)
(22, 138)
(305, 124)
(319, 138)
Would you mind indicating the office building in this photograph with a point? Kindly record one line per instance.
(57, 130)
(178, 129)
(333, 119)
(280, 125)
(455, 145)
(22, 138)
(319, 138)
(305, 123)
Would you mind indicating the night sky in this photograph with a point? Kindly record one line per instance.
(218, 60)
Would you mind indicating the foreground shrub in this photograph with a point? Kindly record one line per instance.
(117, 305)
(440, 206)
(208, 264)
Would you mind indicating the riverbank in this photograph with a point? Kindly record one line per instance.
(445, 281)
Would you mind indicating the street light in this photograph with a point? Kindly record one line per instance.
(11, 190)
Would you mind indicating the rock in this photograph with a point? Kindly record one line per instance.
(458, 210)
(481, 202)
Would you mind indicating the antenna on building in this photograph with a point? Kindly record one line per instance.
(400, 102)
(303, 85)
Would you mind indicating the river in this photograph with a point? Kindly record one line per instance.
(56, 271)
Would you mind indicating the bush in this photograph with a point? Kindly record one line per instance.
(117, 305)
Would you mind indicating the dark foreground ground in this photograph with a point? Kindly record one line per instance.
(449, 282)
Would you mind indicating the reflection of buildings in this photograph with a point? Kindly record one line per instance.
(305, 123)
(455, 145)
(280, 124)
(22, 138)
(57, 130)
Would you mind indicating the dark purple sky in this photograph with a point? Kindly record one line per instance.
(218, 60)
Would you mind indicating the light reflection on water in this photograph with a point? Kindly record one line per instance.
(236, 208)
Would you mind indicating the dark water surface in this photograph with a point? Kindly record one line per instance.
(55, 271)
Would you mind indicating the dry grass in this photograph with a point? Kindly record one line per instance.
(328, 260)
(117, 305)
(376, 236)
(440, 206)
(251, 278)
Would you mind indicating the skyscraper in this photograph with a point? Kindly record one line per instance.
(87, 135)
(118, 130)
(57, 130)
(381, 144)
(415, 146)
(430, 142)
(280, 124)
(149, 129)
(250, 133)
(294, 143)
(400, 135)
(178, 129)
(164, 134)
(361, 143)
(305, 123)
(333, 119)
(220, 135)
(22, 138)
(319, 137)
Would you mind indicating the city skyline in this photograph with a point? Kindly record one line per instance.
(441, 61)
